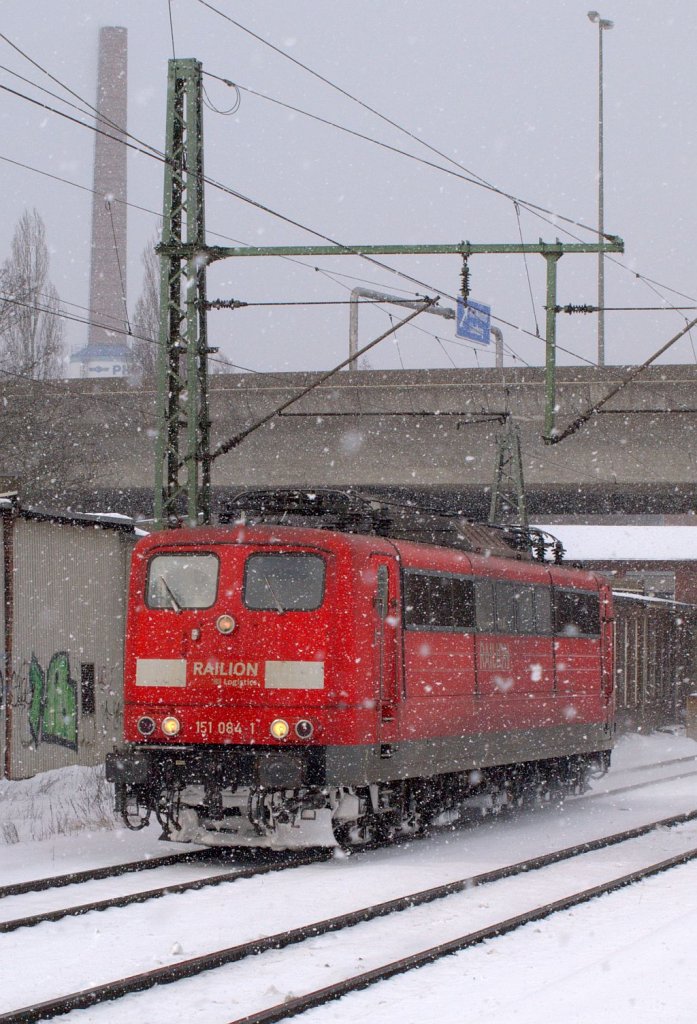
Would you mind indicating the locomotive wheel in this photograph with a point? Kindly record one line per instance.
(359, 834)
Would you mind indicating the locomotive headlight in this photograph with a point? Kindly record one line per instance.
(304, 729)
(226, 624)
(146, 726)
(279, 729)
(171, 725)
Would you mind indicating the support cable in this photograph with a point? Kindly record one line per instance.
(107, 204)
(171, 29)
(516, 207)
(584, 417)
(234, 441)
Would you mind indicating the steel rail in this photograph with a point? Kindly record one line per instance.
(293, 861)
(111, 871)
(197, 965)
(597, 794)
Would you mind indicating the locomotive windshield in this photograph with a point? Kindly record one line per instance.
(284, 583)
(182, 581)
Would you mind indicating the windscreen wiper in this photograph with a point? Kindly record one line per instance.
(175, 603)
(279, 606)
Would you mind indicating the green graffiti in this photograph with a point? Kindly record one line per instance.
(53, 708)
(36, 682)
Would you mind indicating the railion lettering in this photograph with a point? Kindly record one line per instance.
(227, 669)
(494, 657)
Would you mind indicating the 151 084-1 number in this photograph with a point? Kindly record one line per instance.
(208, 728)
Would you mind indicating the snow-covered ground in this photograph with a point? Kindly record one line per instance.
(628, 956)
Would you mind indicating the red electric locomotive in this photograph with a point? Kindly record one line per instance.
(333, 681)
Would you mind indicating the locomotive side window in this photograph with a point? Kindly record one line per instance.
(576, 613)
(486, 622)
(382, 595)
(524, 597)
(283, 583)
(543, 610)
(182, 581)
(463, 604)
(438, 602)
(505, 608)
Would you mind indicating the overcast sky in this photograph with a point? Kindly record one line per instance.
(507, 88)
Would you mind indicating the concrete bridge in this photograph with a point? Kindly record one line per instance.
(91, 444)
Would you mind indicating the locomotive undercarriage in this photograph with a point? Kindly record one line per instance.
(214, 806)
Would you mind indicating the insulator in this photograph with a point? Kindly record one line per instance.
(465, 280)
(575, 309)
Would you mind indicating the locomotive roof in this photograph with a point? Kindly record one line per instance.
(350, 512)
(412, 553)
(301, 516)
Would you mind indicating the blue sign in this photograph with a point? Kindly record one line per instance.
(473, 321)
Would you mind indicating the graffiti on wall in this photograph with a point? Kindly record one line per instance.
(53, 702)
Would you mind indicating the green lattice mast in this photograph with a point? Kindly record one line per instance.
(182, 481)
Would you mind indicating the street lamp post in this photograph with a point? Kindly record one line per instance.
(602, 24)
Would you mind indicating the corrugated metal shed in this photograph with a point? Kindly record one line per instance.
(64, 586)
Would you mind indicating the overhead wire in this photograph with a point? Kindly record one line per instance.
(248, 199)
(141, 148)
(333, 275)
(158, 155)
(531, 207)
(224, 188)
(152, 152)
(261, 206)
(171, 29)
(61, 99)
(477, 178)
(468, 177)
(93, 110)
(464, 177)
(330, 275)
(416, 138)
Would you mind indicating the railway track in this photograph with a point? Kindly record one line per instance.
(195, 857)
(368, 916)
(291, 1007)
(616, 790)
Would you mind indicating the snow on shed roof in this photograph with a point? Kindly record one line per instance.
(601, 543)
